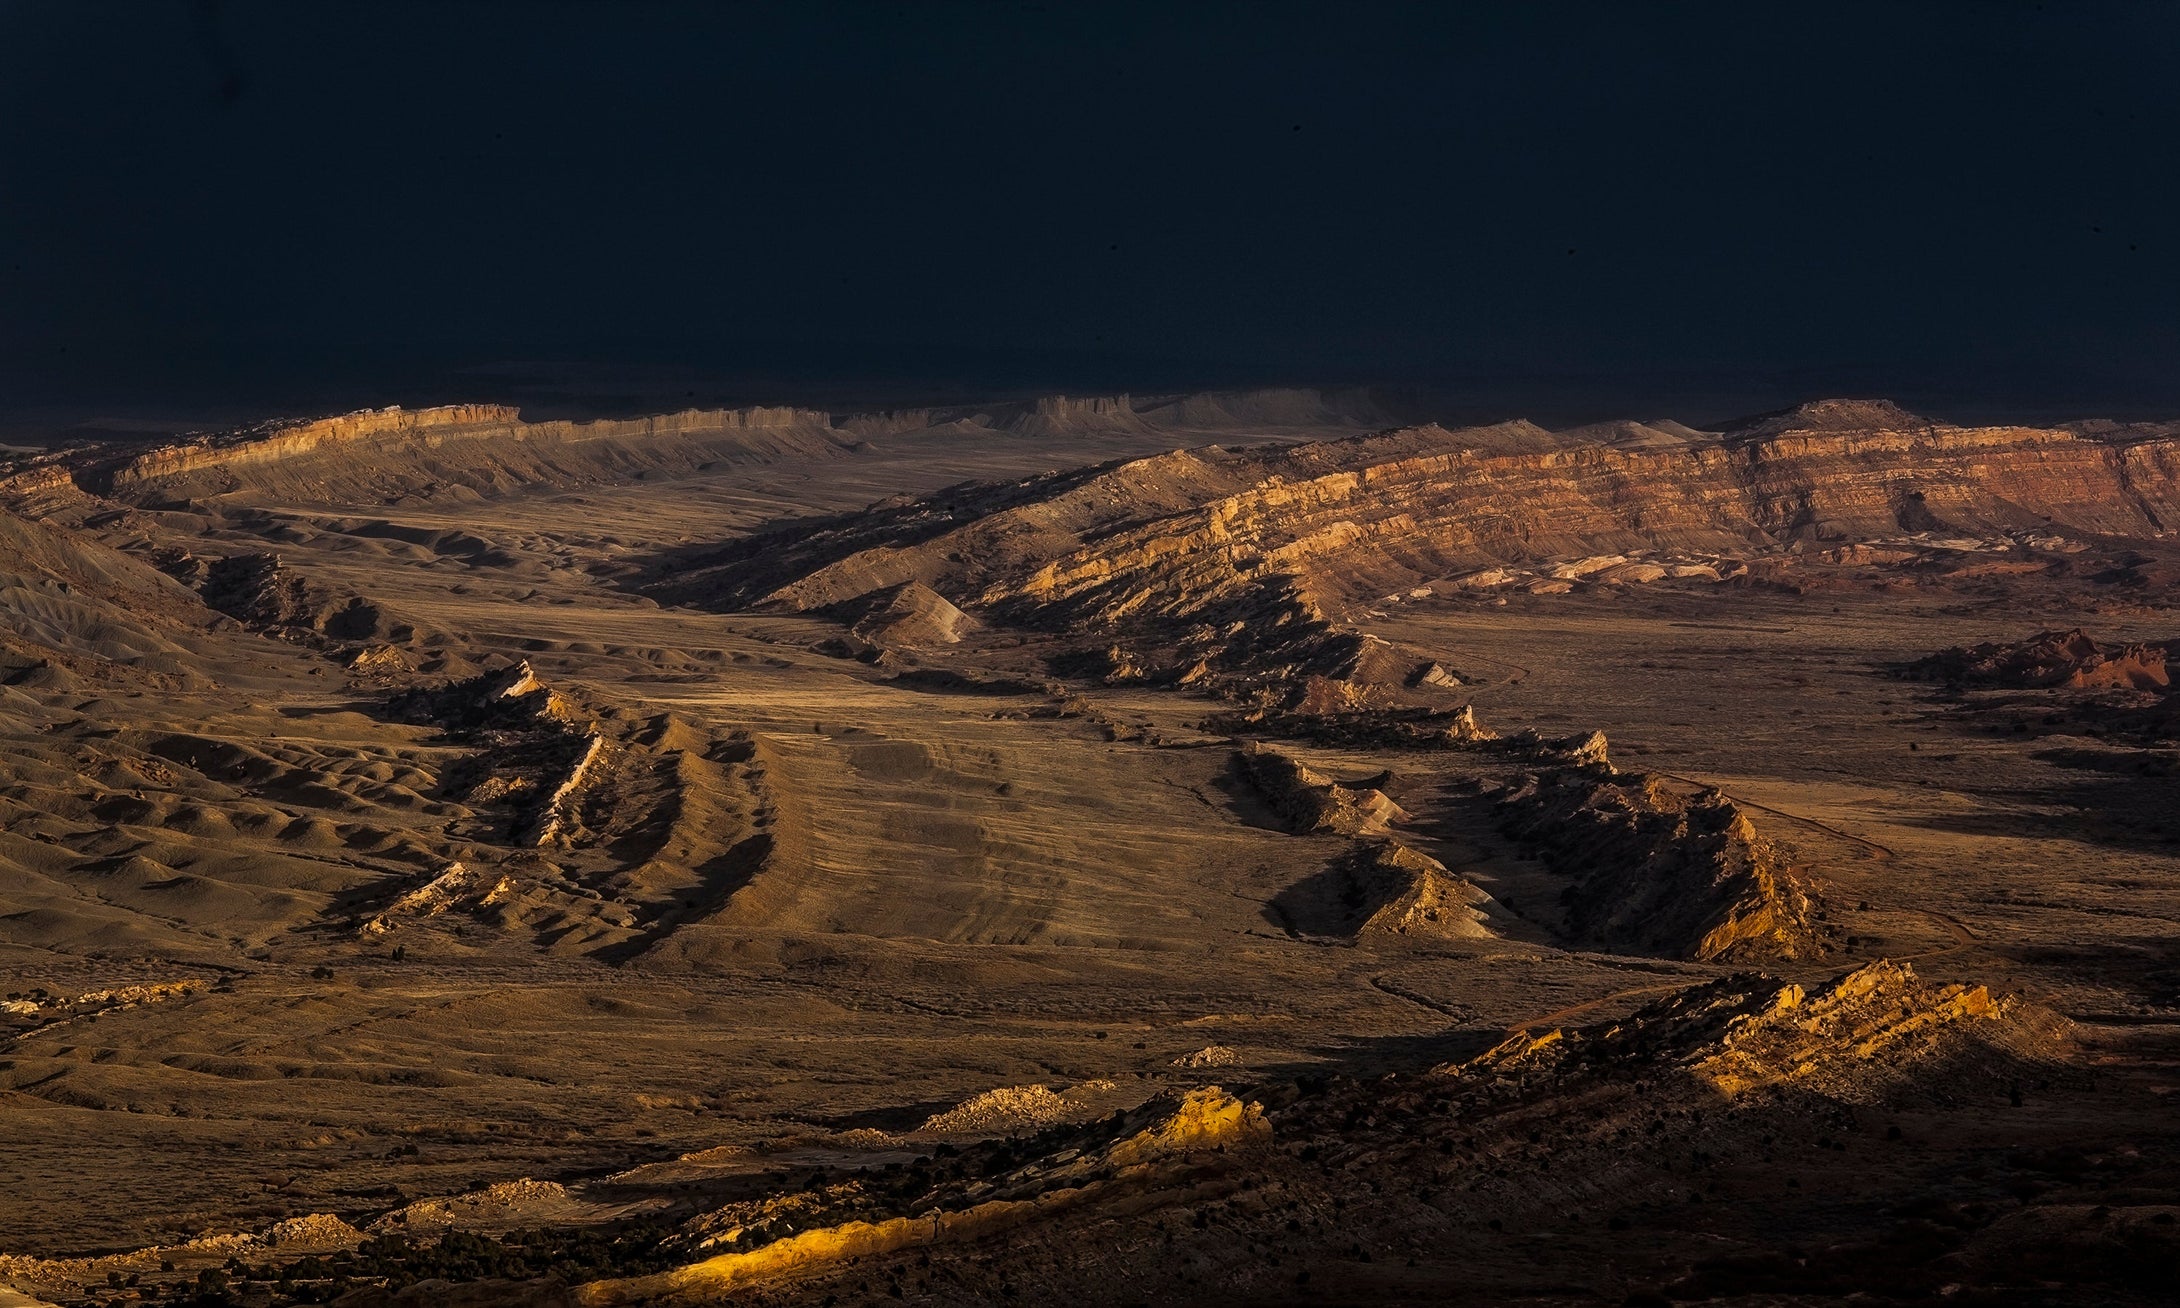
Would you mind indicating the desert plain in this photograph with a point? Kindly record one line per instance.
(1237, 848)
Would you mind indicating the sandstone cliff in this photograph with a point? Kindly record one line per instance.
(1288, 535)
(382, 454)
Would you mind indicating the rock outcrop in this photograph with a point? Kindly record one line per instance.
(1382, 890)
(261, 590)
(2053, 659)
(1008, 1108)
(536, 750)
(1178, 1153)
(457, 886)
(1400, 891)
(1855, 1040)
(1658, 871)
(1306, 800)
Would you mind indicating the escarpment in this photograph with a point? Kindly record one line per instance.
(382, 455)
(1377, 522)
(377, 456)
(1272, 545)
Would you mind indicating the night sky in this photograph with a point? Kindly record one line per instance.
(1560, 208)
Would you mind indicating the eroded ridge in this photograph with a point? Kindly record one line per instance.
(1247, 561)
(1855, 1039)
(1191, 1152)
(1659, 870)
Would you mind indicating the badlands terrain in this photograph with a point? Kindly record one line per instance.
(1234, 848)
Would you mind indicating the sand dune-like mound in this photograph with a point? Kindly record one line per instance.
(910, 616)
(71, 607)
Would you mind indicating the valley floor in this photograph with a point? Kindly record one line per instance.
(815, 902)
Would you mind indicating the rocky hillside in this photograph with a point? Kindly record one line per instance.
(1290, 535)
(1654, 870)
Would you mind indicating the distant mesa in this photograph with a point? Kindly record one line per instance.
(378, 456)
(1059, 415)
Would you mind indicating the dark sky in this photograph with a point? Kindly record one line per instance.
(1633, 206)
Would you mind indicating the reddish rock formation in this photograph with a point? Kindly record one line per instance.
(2069, 659)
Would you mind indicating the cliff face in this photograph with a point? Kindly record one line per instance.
(1212, 535)
(1057, 414)
(1360, 530)
(378, 454)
